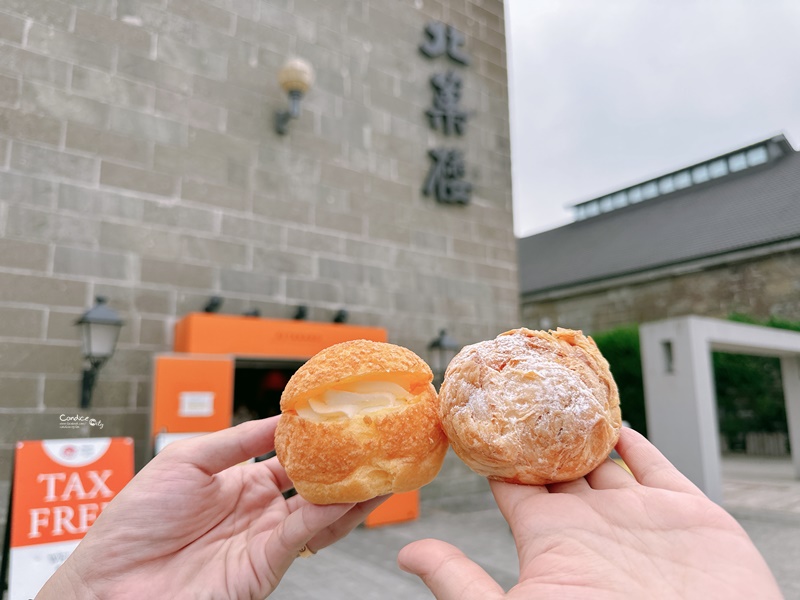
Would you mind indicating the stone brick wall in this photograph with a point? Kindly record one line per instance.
(761, 287)
(138, 161)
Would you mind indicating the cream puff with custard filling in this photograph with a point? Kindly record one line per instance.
(359, 420)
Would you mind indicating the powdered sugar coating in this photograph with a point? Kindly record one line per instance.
(530, 406)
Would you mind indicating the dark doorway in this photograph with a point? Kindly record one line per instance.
(257, 387)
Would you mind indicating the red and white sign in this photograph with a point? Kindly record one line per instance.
(60, 487)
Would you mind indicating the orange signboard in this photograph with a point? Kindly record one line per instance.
(192, 394)
(208, 333)
(60, 487)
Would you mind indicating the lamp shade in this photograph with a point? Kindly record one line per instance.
(296, 75)
(100, 328)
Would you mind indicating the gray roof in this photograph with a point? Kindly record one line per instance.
(754, 207)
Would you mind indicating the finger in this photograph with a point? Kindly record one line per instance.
(276, 471)
(447, 572)
(511, 496)
(576, 486)
(610, 476)
(296, 501)
(294, 532)
(215, 452)
(649, 466)
(341, 527)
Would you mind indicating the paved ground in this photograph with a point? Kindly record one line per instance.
(363, 565)
(761, 493)
(764, 496)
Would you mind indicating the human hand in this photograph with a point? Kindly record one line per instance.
(195, 523)
(608, 535)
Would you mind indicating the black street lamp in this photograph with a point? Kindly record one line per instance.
(100, 327)
(441, 351)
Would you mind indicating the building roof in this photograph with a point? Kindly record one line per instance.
(753, 206)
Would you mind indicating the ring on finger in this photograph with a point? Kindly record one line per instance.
(305, 552)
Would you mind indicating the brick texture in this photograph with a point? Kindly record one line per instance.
(138, 161)
(761, 287)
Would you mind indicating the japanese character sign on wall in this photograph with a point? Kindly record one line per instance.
(443, 38)
(445, 114)
(445, 179)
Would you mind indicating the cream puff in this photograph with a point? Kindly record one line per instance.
(359, 420)
(531, 407)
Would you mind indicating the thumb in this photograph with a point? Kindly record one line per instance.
(447, 571)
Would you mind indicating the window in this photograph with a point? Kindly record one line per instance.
(683, 180)
(737, 162)
(713, 169)
(669, 357)
(718, 168)
(619, 199)
(649, 190)
(700, 174)
(592, 209)
(757, 156)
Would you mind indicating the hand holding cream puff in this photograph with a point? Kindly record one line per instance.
(359, 421)
(531, 407)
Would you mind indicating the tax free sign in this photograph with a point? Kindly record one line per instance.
(60, 487)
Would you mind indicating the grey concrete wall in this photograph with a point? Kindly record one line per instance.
(138, 161)
(679, 388)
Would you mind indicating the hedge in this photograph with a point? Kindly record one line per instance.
(620, 346)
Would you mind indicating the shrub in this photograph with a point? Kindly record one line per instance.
(620, 346)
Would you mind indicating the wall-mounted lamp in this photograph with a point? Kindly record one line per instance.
(214, 304)
(100, 327)
(295, 77)
(441, 351)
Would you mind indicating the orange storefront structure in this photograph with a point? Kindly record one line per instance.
(229, 368)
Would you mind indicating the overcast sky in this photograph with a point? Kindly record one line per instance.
(607, 93)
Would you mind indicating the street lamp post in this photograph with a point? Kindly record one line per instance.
(441, 351)
(100, 326)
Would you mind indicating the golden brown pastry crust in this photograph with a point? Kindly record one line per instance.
(531, 407)
(351, 360)
(351, 460)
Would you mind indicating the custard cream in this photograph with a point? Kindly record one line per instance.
(357, 398)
